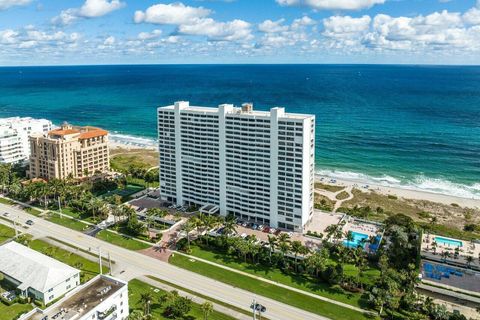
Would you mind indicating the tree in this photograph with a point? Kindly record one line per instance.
(175, 306)
(146, 299)
(434, 247)
(445, 255)
(272, 242)
(207, 309)
(296, 247)
(136, 315)
(469, 260)
(317, 261)
(229, 226)
(188, 228)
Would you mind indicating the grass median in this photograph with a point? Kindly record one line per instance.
(67, 222)
(137, 287)
(88, 268)
(122, 240)
(6, 233)
(301, 282)
(268, 290)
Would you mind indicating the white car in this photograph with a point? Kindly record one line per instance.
(6, 214)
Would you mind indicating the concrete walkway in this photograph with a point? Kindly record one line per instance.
(277, 284)
(194, 298)
(333, 196)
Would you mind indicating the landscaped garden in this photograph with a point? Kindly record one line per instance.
(167, 305)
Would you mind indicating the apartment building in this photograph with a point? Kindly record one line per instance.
(36, 275)
(102, 298)
(79, 152)
(14, 135)
(256, 165)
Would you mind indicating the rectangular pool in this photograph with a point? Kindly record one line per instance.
(448, 242)
(357, 240)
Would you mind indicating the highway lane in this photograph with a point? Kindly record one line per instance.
(137, 264)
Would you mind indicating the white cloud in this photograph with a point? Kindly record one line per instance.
(109, 41)
(345, 25)
(332, 4)
(7, 4)
(8, 36)
(174, 13)
(236, 30)
(472, 16)
(269, 26)
(149, 35)
(195, 21)
(90, 9)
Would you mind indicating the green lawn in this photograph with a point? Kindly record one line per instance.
(136, 288)
(122, 241)
(14, 311)
(67, 222)
(88, 268)
(6, 233)
(125, 192)
(301, 282)
(6, 201)
(33, 211)
(277, 293)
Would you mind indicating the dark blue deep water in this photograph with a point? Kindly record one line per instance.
(416, 126)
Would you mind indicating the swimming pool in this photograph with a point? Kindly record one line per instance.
(357, 240)
(448, 242)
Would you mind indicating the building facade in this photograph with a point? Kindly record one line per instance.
(36, 275)
(14, 137)
(256, 165)
(102, 298)
(78, 152)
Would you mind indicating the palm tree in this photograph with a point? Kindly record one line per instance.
(146, 300)
(188, 227)
(317, 261)
(445, 255)
(272, 242)
(469, 260)
(434, 247)
(296, 247)
(229, 226)
(207, 309)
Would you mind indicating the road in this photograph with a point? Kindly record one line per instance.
(135, 264)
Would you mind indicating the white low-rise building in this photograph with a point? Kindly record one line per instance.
(256, 165)
(36, 275)
(102, 298)
(14, 134)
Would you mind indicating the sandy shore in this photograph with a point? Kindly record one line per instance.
(113, 144)
(404, 193)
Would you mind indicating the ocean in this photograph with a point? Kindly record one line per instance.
(415, 127)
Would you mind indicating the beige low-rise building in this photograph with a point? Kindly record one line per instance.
(78, 152)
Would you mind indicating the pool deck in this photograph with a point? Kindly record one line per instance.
(468, 248)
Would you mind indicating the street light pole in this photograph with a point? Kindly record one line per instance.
(100, 259)
(254, 304)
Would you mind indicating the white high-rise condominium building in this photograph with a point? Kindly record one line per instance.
(257, 165)
(14, 134)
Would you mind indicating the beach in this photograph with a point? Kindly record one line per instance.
(401, 192)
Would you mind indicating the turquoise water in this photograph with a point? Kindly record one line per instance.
(417, 127)
(357, 240)
(448, 242)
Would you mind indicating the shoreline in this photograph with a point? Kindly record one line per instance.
(130, 143)
(401, 192)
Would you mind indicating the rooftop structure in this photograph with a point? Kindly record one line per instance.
(36, 274)
(102, 298)
(256, 165)
(14, 134)
(78, 152)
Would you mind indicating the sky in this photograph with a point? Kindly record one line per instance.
(55, 32)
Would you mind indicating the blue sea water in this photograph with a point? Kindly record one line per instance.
(411, 126)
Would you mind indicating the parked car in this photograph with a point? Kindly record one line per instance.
(244, 224)
(6, 214)
(29, 222)
(277, 232)
(272, 230)
(260, 227)
(266, 229)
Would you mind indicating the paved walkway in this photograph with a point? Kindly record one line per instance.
(277, 283)
(333, 196)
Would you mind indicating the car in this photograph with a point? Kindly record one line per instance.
(290, 234)
(6, 214)
(260, 227)
(29, 222)
(272, 230)
(277, 232)
(266, 229)
(244, 224)
(254, 227)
